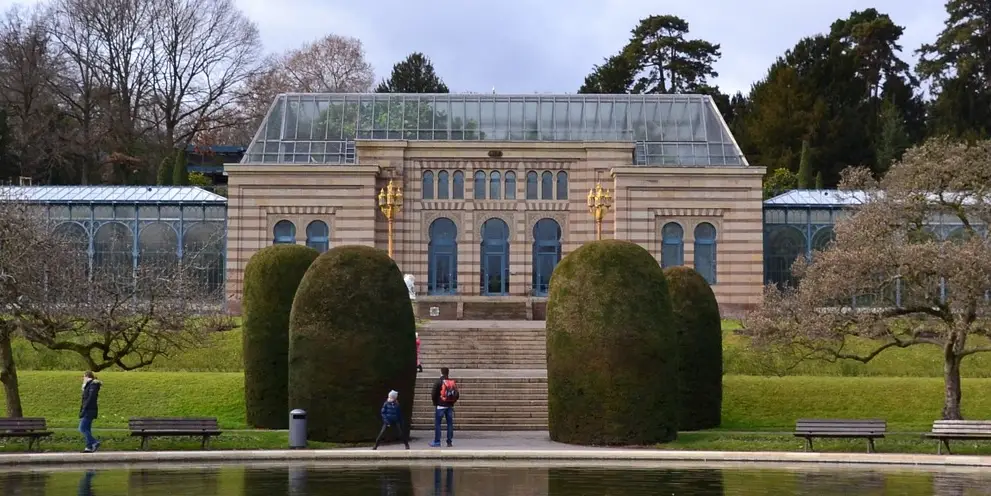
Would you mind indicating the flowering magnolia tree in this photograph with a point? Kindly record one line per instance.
(910, 266)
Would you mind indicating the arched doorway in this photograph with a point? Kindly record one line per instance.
(495, 257)
(546, 254)
(442, 257)
(782, 247)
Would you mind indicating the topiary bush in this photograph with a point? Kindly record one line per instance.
(270, 281)
(351, 340)
(700, 349)
(610, 348)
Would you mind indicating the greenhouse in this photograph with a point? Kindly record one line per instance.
(799, 222)
(672, 130)
(133, 225)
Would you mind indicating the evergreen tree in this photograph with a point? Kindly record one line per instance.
(179, 175)
(892, 140)
(805, 176)
(165, 172)
(819, 183)
(658, 59)
(413, 75)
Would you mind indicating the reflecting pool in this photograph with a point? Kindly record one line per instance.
(484, 479)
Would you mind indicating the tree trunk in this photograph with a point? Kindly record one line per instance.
(951, 378)
(8, 376)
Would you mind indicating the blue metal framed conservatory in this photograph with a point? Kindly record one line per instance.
(138, 224)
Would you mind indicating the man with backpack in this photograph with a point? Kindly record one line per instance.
(444, 395)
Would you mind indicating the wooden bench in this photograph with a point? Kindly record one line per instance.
(961, 430)
(148, 427)
(869, 429)
(32, 428)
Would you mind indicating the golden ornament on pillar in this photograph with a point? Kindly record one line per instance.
(390, 203)
(599, 202)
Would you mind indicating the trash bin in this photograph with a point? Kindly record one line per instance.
(297, 429)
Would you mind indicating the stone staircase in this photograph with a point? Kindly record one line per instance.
(501, 370)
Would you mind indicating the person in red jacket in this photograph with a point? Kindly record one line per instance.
(419, 364)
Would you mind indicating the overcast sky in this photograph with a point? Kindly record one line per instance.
(526, 46)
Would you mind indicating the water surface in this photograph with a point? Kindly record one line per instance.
(484, 479)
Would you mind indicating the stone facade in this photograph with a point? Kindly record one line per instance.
(645, 199)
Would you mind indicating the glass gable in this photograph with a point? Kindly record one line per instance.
(675, 130)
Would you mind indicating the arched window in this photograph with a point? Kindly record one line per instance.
(562, 185)
(510, 185)
(113, 246)
(495, 185)
(823, 238)
(479, 185)
(546, 254)
(158, 246)
(705, 251)
(443, 186)
(672, 245)
(442, 257)
(203, 251)
(428, 185)
(459, 185)
(318, 236)
(76, 239)
(547, 186)
(782, 246)
(531, 185)
(495, 257)
(285, 233)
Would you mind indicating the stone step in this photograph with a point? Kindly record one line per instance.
(477, 415)
(460, 426)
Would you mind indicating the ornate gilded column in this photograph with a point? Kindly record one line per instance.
(390, 203)
(599, 202)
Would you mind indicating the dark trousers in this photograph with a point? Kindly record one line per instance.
(399, 429)
(448, 415)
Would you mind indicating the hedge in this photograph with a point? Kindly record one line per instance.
(270, 281)
(351, 340)
(610, 348)
(700, 349)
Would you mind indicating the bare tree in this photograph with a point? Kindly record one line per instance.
(895, 276)
(78, 86)
(111, 311)
(332, 64)
(204, 49)
(26, 65)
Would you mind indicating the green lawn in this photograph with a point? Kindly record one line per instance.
(224, 355)
(750, 403)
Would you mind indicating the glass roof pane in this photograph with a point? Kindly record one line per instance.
(321, 128)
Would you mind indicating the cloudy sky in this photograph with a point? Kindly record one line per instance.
(526, 46)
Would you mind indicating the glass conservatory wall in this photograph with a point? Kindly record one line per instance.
(681, 130)
(126, 237)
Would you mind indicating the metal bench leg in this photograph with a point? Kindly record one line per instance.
(808, 444)
(144, 442)
(205, 443)
(31, 443)
(946, 442)
(870, 445)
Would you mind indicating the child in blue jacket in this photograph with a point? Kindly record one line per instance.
(392, 416)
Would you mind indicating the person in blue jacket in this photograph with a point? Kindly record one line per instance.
(392, 415)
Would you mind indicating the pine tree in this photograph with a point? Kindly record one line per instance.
(413, 75)
(179, 175)
(819, 181)
(165, 172)
(893, 139)
(805, 176)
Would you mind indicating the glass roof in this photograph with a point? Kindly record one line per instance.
(318, 128)
(817, 198)
(110, 194)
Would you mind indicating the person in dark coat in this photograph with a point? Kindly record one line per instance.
(392, 415)
(89, 409)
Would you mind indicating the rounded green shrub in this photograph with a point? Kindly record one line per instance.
(698, 328)
(270, 281)
(610, 348)
(351, 341)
